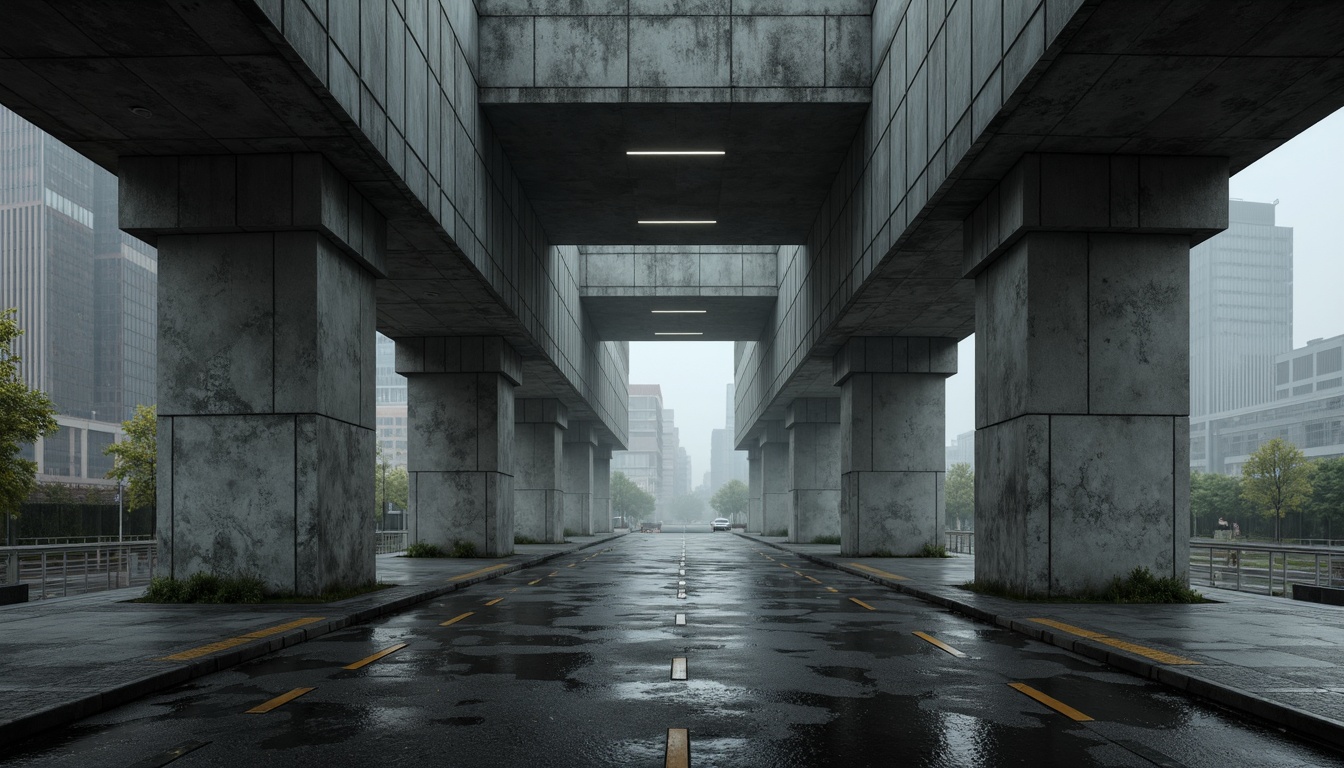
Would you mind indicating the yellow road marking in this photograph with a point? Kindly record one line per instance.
(280, 700)
(860, 602)
(1161, 657)
(552, 573)
(783, 565)
(832, 589)
(878, 571)
(496, 600)
(571, 565)
(814, 581)
(234, 642)
(515, 589)
(1051, 702)
(678, 753)
(479, 571)
(456, 619)
(364, 662)
(939, 644)
(679, 668)
(534, 582)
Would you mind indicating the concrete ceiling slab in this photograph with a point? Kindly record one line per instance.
(638, 318)
(780, 161)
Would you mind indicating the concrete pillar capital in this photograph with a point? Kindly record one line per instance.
(812, 410)
(1098, 193)
(222, 194)
(772, 432)
(582, 432)
(894, 354)
(459, 354)
(541, 410)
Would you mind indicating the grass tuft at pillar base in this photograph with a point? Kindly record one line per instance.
(1140, 586)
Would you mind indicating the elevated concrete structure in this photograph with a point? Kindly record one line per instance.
(580, 457)
(873, 147)
(539, 469)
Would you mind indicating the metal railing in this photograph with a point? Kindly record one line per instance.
(75, 569)
(386, 542)
(36, 540)
(961, 542)
(1265, 568)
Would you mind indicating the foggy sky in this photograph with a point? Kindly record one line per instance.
(1306, 176)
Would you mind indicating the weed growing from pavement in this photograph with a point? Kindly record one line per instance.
(826, 540)
(1141, 586)
(208, 588)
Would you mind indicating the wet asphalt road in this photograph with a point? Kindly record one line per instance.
(572, 668)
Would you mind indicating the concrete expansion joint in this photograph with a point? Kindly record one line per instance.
(1309, 724)
(177, 674)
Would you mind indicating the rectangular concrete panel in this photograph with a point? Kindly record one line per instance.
(582, 52)
(677, 51)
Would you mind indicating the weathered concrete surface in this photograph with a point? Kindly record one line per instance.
(776, 500)
(460, 434)
(1082, 371)
(755, 491)
(539, 468)
(577, 481)
(602, 489)
(265, 367)
(892, 459)
(814, 468)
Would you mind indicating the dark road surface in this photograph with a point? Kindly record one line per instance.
(573, 667)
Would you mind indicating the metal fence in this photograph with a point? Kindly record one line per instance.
(389, 541)
(1265, 568)
(961, 542)
(74, 569)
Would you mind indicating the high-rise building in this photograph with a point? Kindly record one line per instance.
(962, 450)
(86, 295)
(1241, 310)
(725, 463)
(643, 462)
(391, 401)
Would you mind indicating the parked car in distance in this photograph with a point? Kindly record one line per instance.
(719, 524)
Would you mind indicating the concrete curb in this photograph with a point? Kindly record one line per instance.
(29, 725)
(1300, 721)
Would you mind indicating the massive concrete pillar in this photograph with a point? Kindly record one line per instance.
(266, 265)
(460, 439)
(755, 509)
(1082, 366)
(892, 457)
(775, 498)
(580, 445)
(813, 424)
(602, 489)
(538, 496)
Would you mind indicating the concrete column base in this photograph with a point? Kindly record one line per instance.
(776, 498)
(1081, 267)
(892, 423)
(539, 497)
(602, 489)
(266, 365)
(755, 504)
(460, 440)
(814, 468)
(579, 448)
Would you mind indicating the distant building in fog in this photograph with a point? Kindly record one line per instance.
(86, 295)
(725, 463)
(962, 450)
(643, 462)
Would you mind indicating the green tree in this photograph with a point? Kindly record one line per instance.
(393, 487)
(1327, 495)
(1276, 479)
(730, 501)
(959, 489)
(25, 415)
(135, 458)
(686, 509)
(1215, 497)
(629, 500)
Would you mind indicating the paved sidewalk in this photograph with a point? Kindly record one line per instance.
(1272, 658)
(67, 658)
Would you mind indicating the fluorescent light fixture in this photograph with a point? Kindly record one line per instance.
(678, 333)
(675, 152)
(676, 221)
(678, 311)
